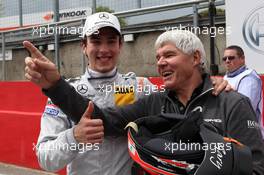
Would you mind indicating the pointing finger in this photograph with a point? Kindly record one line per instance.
(34, 51)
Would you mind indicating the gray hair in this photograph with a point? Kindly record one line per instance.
(186, 41)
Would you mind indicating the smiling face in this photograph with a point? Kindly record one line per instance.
(235, 62)
(176, 67)
(103, 49)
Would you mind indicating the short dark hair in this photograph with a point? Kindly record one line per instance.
(238, 49)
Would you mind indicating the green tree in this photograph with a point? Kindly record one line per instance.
(219, 12)
(107, 9)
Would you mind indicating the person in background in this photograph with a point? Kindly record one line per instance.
(244, 80)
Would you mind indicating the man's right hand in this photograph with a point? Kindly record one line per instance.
(39, 69)
(89, 130)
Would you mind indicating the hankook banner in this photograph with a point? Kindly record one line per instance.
(12, 22)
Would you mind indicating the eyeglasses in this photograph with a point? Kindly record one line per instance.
(230, 58)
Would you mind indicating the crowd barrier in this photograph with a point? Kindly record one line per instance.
(21, 106)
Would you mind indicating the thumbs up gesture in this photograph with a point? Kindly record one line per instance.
(89, 130)
(39, 69)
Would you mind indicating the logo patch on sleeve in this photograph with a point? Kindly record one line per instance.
(51, 110)
(124, 95)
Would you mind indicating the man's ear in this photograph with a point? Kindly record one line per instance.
(197, 57)
(121, 42)
(243, 59)
(83, 48)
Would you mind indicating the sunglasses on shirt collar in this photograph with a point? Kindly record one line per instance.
(230, 58)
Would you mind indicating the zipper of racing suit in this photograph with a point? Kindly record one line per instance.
(176, 109)
(199, 96)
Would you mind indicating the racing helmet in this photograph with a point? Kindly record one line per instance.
(172, 144)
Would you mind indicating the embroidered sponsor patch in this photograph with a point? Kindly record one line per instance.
(51, 110)
(82, 88)
(124, 95)
(215, 120)
(252, 124)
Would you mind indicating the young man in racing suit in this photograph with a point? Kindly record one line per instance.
(60, 142)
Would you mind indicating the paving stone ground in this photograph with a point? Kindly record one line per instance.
(8, 169)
